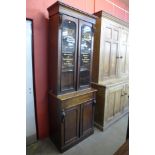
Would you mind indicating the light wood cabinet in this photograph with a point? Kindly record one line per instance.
(111, 103)
(125, 102)
(110, 69)
(110, 48)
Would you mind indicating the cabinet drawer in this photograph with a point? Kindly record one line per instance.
(76, 100)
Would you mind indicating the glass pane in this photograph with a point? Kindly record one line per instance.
(85, 55)
(68, 55)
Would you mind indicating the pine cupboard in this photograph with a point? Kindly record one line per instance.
(110, 48)
(110, 69)
(111, 103)
(71, 98)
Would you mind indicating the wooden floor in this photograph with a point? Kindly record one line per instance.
(124, 149)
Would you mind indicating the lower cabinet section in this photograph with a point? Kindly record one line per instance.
(71, 122)
(111, 103)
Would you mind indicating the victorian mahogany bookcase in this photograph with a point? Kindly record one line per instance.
(71, 98)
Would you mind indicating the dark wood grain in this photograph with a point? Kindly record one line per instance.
(71, 107)
(70, 125)
(71, 117)
(53, 54)
(67, 9)
(87, 114)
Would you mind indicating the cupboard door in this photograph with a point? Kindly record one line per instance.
(111, 51)
(70, 125)
(87, 118)
(69, 32)
(126, 96)
(124, 56)
(114, 100)
(85, 54)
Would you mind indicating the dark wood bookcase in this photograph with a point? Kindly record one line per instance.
(71, 98)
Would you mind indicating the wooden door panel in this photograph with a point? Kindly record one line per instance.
(123, 60)
(126, 102)
(114, 101)
(111, 50)
(127, 61)
(115, 57)
(113, 60)
(108, 32)
(115, 35)
(111, 101)
(124, 36)
(106, 59)
(87, 117)
(126, 96)
(71, 124)
(117, 102)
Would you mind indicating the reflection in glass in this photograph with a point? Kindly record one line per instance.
(68, 54)
(85, 55)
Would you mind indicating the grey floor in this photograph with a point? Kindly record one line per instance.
(100, 143)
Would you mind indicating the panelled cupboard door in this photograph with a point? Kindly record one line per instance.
(110, 50)
(68, 50)
(70, 125)
(113, 102)
(87, 117)
(124, 56)
(113, 50)
(126, 96)
(85, 54)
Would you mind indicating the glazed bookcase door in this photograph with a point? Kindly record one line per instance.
(69, 32)
(85, 54)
